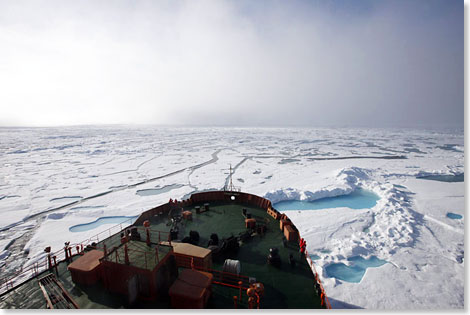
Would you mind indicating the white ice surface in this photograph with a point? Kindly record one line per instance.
(46, 168)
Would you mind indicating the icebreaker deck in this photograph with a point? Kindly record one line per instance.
(139, 266)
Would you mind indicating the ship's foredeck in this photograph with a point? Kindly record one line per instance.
(285, 287)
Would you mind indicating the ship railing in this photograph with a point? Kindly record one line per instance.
(229, 279)
(238, 282)
(108, 232)
(317, 278)
(135, 256)
(232, 189)
(220, 277)
(324, 298)
(24, 274)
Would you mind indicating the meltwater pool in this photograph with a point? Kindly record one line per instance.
(354, 272)
(157, 191)
(100, 221)
(358, 199)
(454, 216)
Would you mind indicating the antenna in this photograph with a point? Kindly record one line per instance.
(230, 186)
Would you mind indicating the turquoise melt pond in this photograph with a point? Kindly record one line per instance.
(454, 216)
(355, 271)
(358, 199)
(100, 221)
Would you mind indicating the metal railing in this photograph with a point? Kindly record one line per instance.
(317, 278)
(135, 256)
(324, 298)
(42, 264)
(220, 277)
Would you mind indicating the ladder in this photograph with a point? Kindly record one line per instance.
(55, 294)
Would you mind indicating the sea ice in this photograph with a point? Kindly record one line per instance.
(105, 168)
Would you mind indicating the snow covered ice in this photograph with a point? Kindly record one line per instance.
(55, 178)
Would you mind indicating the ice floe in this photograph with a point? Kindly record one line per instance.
(105, 168)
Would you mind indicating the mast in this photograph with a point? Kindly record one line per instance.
(230, 186)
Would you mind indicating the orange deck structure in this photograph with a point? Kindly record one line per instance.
(149, 265)
(192, 289)
(187, 254)
(290, 233)
(283, 223)
(250, 223)
(87, 269)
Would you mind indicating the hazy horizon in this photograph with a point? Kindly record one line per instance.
(446, 128)
(340, 63)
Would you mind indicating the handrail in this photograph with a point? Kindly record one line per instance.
(317, 278)
(8, 282)
(312, 267)
(146, 254)
(186, 262)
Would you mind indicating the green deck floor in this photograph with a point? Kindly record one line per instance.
(285, 287)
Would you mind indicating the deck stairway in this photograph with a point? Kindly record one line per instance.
(55, 294)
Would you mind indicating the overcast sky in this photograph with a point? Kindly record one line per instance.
(245, 63)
